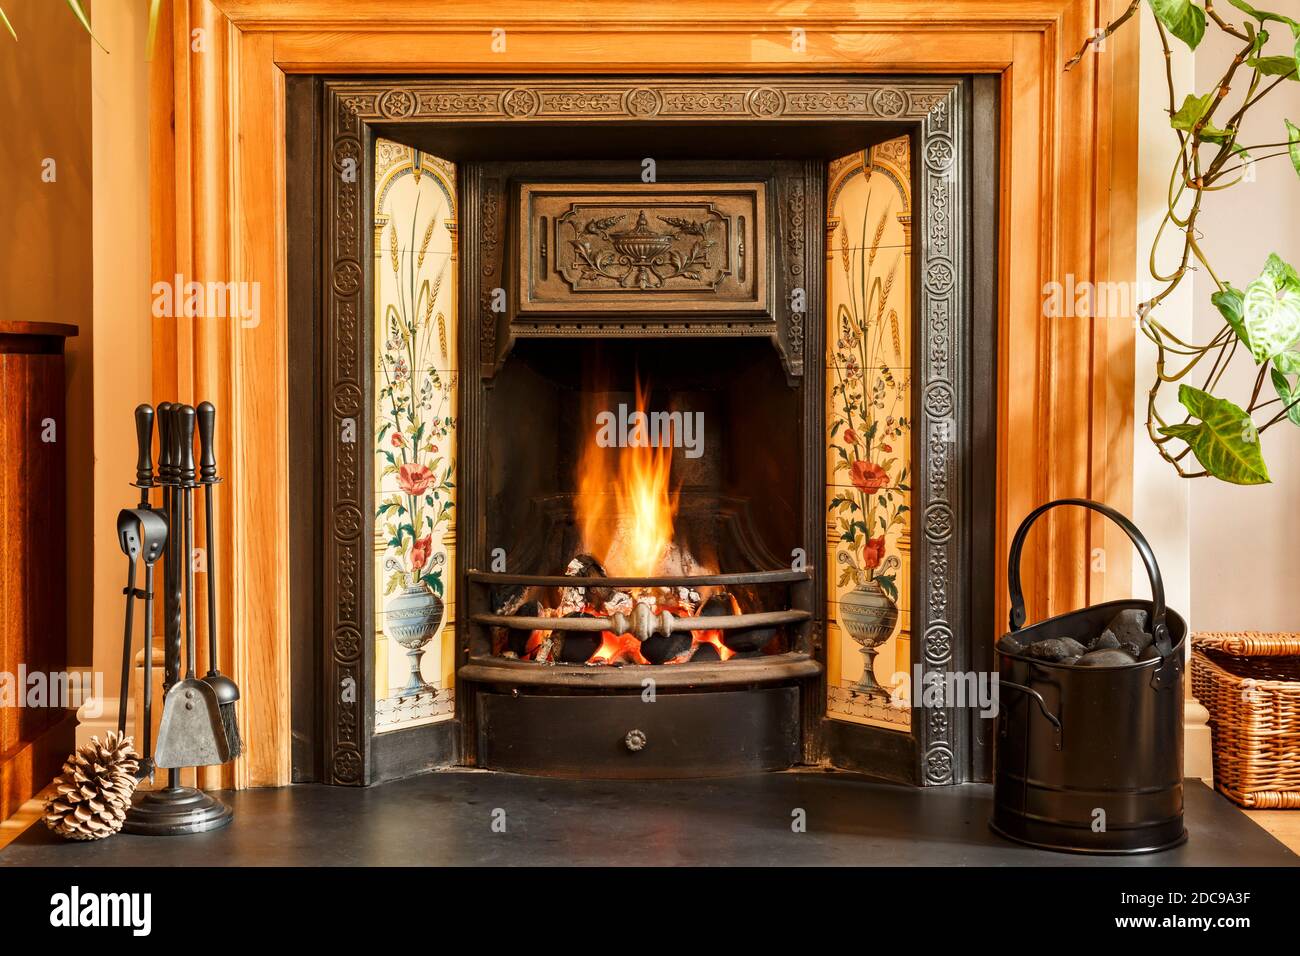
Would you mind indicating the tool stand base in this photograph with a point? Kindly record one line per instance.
(176, 811)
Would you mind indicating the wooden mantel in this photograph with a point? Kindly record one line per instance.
(1068, 172)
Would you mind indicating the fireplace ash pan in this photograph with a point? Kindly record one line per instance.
(1090, 759)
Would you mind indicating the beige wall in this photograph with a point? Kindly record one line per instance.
(45, 242)
(1243, 539)
(119, 91)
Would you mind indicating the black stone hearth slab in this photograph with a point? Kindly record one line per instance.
(446, 819)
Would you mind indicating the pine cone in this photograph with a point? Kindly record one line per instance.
(93, 794)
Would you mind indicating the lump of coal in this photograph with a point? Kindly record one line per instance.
(517, 638)
(743, 640)
(579, 645)
(1130, 628)
(507, 598)
(1105, 641)
(586, 566)
(621, 601)
(718, 605)
(1010, 644)
(1149, 653)
(1056, 649)
(704, 653)
(659, 647)
(1107, 657)
(749, 640)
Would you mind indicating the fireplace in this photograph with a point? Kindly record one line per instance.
(679, 466)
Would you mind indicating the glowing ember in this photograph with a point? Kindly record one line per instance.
(624, 648)
(714, 638)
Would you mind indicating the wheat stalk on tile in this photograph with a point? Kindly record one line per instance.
(424, 244)
(875, 240)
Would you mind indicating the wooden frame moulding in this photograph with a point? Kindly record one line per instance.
(218, 197)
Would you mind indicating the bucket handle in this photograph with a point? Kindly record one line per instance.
(1042, 705)
(1159, 629)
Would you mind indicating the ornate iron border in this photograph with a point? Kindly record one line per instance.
(943, 417)
(353, 107)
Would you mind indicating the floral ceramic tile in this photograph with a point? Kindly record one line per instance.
(869, 435)
(415, 440)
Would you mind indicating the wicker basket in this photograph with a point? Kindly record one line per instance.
(1250, 684)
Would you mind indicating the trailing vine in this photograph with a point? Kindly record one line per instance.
(1216, 436)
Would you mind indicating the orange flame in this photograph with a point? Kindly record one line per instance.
(626, 512)
(715, 638)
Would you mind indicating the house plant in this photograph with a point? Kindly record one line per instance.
(1218, 435)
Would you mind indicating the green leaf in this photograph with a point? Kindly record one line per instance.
(1290, 397)
(1230, 303)
(1224, 441)
(1182, 18)
(155, 7)
(1263, 16)
(8, 26)
(1272, 309)
(1190, 113)
(1293, 141)
(1274, 65)
(76, 8)
(1288, 363)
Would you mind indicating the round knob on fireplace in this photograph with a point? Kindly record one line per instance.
(635, 740)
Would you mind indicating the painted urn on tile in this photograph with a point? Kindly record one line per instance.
(870, 616)
(412, 617)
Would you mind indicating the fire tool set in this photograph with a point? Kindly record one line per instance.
(198, 726)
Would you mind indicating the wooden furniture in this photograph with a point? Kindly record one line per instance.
(1250, 684)
(33, 557)
(1068, 177)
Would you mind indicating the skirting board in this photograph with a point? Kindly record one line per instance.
(26, 769)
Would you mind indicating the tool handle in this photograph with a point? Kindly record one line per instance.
(148, 668)
(185, 459)
(207, 419)
(212, 577)
(165, 442)
(206, 414)
(187, 493)
(126, 643)
(144, 446)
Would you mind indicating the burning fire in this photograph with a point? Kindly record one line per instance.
(626, 509)
(626, 513)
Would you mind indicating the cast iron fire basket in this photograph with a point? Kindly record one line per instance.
(1090, 759)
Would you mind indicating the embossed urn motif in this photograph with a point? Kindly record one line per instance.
(642, 257)
(641, 246)
(870, 616)
(412, 617)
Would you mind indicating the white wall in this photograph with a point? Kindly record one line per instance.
(1161, 500)
(1245, 540)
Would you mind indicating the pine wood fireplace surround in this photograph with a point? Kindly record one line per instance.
(1066, 173)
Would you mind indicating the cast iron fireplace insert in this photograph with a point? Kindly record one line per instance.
(751, 510)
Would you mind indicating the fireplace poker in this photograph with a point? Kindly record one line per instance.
(190, 734)
(227, 690)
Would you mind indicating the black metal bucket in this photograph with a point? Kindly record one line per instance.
(1090, 759)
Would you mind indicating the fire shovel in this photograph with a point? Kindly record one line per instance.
(190, 734)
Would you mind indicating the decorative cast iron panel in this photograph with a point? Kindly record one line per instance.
(605, 250)
(936, 108)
